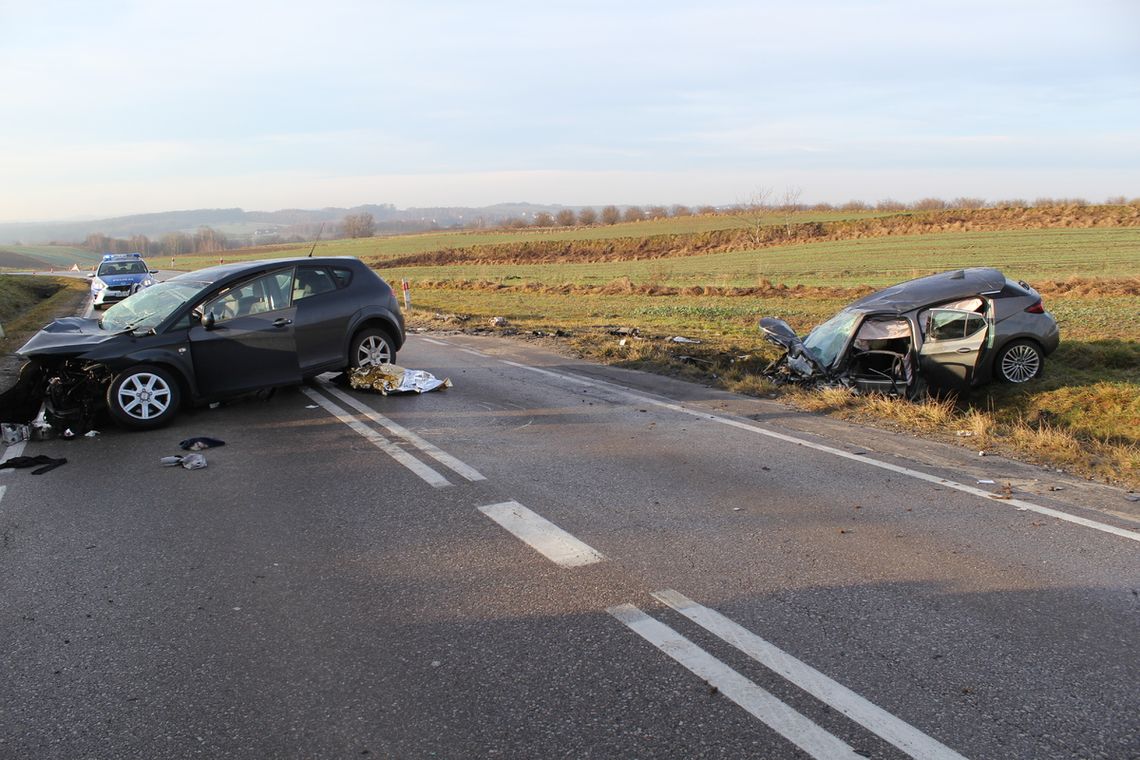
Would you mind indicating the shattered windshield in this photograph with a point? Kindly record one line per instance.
(147, 308)
(827, 340)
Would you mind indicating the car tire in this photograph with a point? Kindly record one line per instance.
(143, 397)
(1019, 361)
(369, 347)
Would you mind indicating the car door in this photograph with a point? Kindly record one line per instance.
(952, 344)
(323, 312)
(252, 342)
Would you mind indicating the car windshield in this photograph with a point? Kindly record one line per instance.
(148, 308)
(108, 268)
(827, 340)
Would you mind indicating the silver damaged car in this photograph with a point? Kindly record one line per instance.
(952, 330)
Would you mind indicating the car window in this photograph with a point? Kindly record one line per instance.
(952, 325)
(121, 267)
(342, 276)
(312, 281)
(827, 340)
(255, 296)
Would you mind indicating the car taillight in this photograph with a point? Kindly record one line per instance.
(1037, 308)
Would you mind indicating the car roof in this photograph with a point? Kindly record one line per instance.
(225, 271)
(935, 288)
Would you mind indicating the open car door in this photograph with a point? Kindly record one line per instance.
(951, 347)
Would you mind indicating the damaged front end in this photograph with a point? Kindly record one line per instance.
(64, 394)
(864, 353)
(796, 364)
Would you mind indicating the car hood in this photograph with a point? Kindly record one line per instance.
(122, 279)
(70, 335)
(799, 359)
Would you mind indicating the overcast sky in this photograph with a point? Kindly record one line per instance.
(111, 108)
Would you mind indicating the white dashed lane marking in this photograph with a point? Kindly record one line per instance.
(543, 536)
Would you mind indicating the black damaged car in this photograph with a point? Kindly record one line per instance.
(207, 335)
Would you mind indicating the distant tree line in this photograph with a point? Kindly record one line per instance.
(205, 240)
(756, 212)
(590, 217)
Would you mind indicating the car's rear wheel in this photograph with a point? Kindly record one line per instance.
(370, 347)
(143, 397)
(1019, 362)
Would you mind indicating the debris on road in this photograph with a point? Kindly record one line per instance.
(188, 461)
(48, 463)
(14, 432)
(499, 322)
(197, 444)
(682, 339)
(388, 379)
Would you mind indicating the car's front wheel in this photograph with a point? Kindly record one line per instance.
(1019, 362)
(371, 347)
(143, 397)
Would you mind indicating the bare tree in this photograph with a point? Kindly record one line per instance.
(611, 215)
(633, 214)
(543, 219)
(657, 212)
(679, 210)
(706, 210)
(587, 217)
(750, 214)
(928, 204)
(566, 217)
(790, 204)
(968, 203)
(358, 225)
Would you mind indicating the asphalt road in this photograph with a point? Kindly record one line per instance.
(557, 559)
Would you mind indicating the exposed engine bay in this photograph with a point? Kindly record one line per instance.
(68, 395)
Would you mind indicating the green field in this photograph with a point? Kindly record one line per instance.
(1029, 254)
(45, 256)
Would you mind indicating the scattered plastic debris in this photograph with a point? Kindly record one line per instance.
(312, 406)
(499, 322)
(197, 444)
(682, 339)
(14, 432)
(1132, 496)
(188, 461)
(388, 379)
(91, 434)
(965, 433)
(985, 482)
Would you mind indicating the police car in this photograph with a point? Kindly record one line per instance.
(119, 275)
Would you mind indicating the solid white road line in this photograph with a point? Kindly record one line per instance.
(1018, 503)
(447, 460)
(434, 342)
(781, 718)
(3, 490)
(543, 536)
(472, 351)
(880, 722)
(419, 468)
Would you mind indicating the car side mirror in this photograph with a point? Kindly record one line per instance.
(90, 275)
(208, 320)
